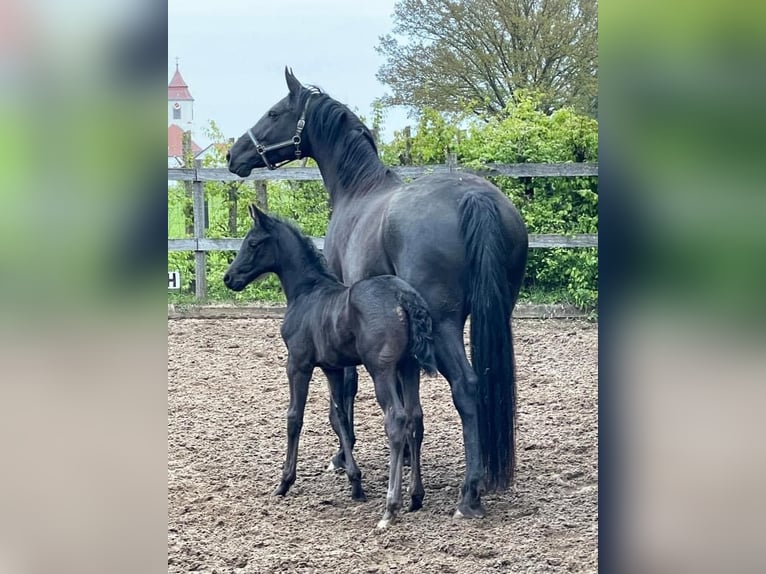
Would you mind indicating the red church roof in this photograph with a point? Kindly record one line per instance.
(177, 88)
(175, 142)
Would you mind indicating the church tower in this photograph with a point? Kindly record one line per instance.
(180, 119)
(180, 102)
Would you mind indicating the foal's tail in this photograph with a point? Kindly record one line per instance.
(491, 303)
(421, 341)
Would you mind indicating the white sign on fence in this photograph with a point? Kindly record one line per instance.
(174, 279)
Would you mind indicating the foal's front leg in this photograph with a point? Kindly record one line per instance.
(298, 377)
(350, 387)
(340, 422)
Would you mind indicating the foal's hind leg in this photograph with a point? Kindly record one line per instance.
(396, 428)
(299, 388)
(339, 420)
(350, 387)
(409, 377)
(454, 365)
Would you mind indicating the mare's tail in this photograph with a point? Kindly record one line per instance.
(421, 342)
(491, 303)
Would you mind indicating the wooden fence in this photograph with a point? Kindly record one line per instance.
(201, 245)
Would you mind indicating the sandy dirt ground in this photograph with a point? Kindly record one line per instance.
(227, 397)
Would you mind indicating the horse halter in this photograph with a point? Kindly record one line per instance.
(295, 140)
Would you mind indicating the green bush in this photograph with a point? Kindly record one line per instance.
(568, 206)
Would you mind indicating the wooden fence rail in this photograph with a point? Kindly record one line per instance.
(536, 241)
(312, 173)
(201, 245)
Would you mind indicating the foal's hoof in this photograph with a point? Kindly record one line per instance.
(357, 493)
(386, 521)
(416, 503)
(469, 512)
(336, 464)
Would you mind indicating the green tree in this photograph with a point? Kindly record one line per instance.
(452, 55)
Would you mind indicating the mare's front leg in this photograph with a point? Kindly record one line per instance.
(350, 386)
(340, 422)
(298, 376)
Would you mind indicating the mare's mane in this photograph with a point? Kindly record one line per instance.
(351, 141)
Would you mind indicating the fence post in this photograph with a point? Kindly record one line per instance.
(261, 195)
(188, 162)
(233, 195)
(405, 158)
(200, 257)
(451, 161)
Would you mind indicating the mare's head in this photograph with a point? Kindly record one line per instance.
(277, 138)
(257, 255)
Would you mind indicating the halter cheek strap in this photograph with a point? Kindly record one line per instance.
(295, 140)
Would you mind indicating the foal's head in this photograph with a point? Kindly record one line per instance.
(257, 255)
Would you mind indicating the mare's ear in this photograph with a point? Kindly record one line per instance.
(293, 84)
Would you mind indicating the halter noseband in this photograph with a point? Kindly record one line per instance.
(295, 140)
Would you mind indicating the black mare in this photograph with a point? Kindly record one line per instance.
(454, 237)
(381, 322)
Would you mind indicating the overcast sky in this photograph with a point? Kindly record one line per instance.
(233, 53)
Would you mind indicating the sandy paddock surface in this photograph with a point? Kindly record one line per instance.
(227, 397)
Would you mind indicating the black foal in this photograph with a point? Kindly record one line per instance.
(380, 322)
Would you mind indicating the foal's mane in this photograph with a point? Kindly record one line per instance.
(307, 251)
(352, 142)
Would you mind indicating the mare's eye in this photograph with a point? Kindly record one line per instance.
(253, 243)
(273, 113)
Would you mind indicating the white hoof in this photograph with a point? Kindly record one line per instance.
(383, 524)
(458, 514)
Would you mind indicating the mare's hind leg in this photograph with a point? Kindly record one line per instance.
(339, 420)
(454, 365)
(409, 374)
(298, 378)
(396, 428)
(349, 390)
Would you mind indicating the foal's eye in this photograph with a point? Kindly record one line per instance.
(253, 243)
(273, 113)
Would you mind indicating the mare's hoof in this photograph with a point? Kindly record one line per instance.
(468, 512)
(281, 490)
(416, 503)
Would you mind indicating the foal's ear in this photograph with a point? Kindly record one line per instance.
(255, 213)
(293, 84)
